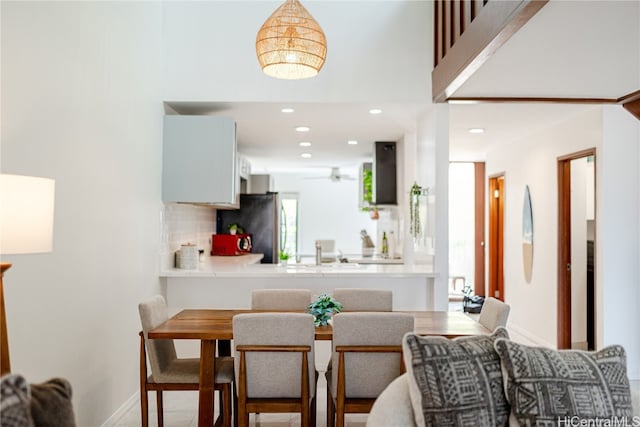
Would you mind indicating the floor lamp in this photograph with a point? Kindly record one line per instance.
(26, 227)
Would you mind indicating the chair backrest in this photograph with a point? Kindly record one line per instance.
(357, 299)
(367, 374)
(494, 313)
(274, 374)
(161, 352)
(280, 299)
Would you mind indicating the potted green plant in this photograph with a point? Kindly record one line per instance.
(235, 228)
(323, 308)
(284, 257)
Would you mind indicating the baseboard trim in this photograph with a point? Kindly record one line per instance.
(122, 410)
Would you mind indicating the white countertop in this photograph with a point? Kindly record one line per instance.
(302, 270)
(210, 264)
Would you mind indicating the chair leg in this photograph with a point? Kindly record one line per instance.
(312, 412)
(226, 398)
(235, 404)
(160, 408)
(339, 411)
(242, 415)
(144, 406)
(331, 410)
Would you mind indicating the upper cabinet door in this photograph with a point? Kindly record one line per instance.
(199, 160)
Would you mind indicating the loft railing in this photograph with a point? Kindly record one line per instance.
(468, 32)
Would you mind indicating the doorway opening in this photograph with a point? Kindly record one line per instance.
(466, 228)
(496, 236)
(576, 250)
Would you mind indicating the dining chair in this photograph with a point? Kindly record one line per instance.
(366, 358)
(168, 372)
(275, 367)
(280, 299)
(494, 313)
(358, 299)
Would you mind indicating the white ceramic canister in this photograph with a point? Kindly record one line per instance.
(188, 255)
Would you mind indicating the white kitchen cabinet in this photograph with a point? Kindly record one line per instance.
(199, 160)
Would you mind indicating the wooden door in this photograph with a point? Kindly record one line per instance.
(564, 252)
(496, 237)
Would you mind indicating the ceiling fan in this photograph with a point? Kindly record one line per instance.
(335, 176)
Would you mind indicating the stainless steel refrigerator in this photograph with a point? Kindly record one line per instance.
(259, 215)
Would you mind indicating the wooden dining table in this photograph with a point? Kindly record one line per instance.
(210, 325)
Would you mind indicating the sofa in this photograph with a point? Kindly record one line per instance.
(485, 384)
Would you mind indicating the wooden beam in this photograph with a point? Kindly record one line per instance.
(631, 103)
(540, 100)
(497, 22)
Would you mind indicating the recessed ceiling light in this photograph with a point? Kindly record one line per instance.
(476, 130)
(305, 155)
(352, 142)
(303, 129)
(375, 111)
(304, 144)
(287, 110)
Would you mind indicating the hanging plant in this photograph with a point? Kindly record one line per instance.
(367, 190)
(414, 210)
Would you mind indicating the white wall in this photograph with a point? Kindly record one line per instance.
(327, 210)
(533, 305)
(81, 104)
(616, 136)
(374, 52)
(617, 234)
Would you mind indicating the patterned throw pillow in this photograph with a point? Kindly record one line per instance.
(14, 402)
(546, 386)
(456, 382)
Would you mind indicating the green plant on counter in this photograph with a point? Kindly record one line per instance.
(235, 229)
(284, 256)
(322, 309)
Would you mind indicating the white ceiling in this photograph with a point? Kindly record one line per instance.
(582, 49)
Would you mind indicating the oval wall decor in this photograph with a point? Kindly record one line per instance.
(527, 235)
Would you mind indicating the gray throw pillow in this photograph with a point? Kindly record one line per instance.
(51, 404)
(547, 387)
(456, 382)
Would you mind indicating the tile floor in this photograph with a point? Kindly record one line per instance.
(181, 410)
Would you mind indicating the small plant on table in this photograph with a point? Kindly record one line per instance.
(323, 308)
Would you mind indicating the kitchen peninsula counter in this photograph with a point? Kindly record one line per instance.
(245, 269)
(230, 286)
(211, 264)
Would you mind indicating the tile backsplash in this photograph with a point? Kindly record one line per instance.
(184, 223)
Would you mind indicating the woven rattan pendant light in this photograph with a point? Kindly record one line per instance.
(291, 44)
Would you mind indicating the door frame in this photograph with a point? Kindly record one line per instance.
(496, 236)
(564, 247)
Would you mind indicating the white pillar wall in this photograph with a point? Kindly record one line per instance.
(617, 233)
(81, 103)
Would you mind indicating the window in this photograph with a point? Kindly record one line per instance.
(289, 224)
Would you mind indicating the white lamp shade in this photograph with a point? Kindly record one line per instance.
(26, 214)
